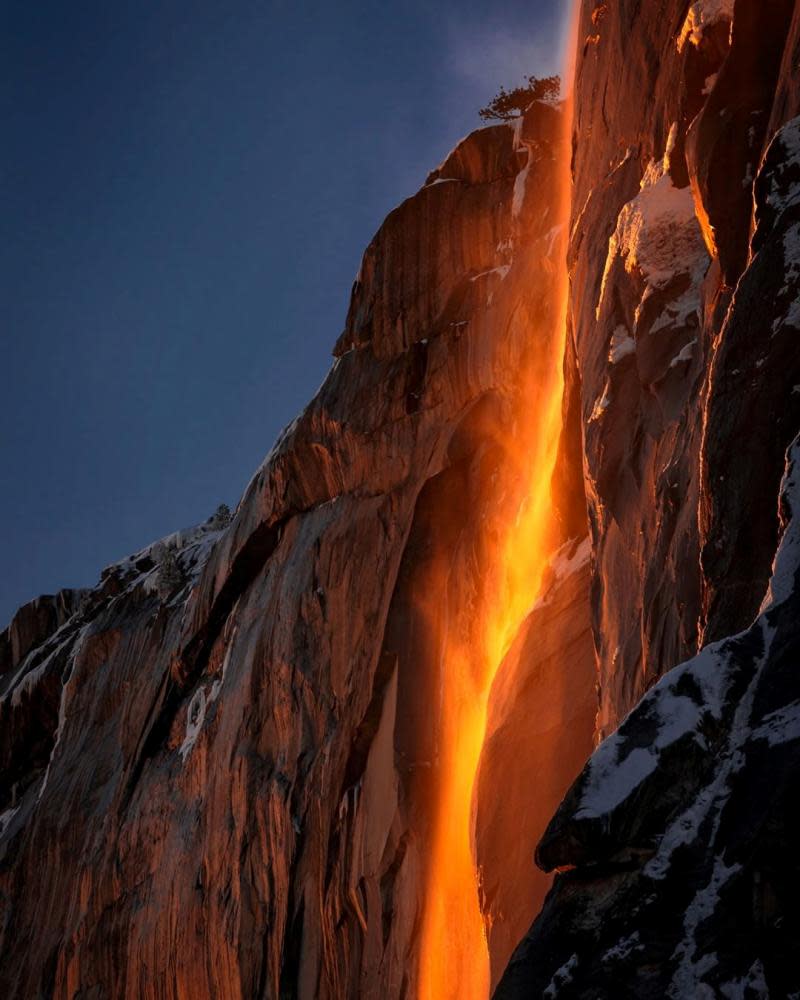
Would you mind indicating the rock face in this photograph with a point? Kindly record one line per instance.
(544, 691)
(681, 832)
(677, 842)
(219, 767)
(662, 213)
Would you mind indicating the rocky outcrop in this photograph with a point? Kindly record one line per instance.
(680, 835)
(230, 788)
(658, 249)
(221, 766)
(753, 403)
(676, 843)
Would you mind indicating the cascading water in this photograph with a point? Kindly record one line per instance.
(454, 958)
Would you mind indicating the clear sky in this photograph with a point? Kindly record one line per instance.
(186, 189)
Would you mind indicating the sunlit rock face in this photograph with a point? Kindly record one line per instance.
(670, 132)
(223, 766)
(682, 830)
(541, 720)
(677, 844)
(219, 764)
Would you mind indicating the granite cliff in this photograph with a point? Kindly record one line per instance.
(676, 845)
(222, 767)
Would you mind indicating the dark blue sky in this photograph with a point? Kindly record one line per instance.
(187, 188)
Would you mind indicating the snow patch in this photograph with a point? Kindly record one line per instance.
(570, 558)
(561, 977)
(69, 672)
(6, 817)
(566, 561)
(611, 781)
(611, 778)
(195, 716)
(657, 233)
(686, 982)
(791, 273)
(753, 984)
(780, 726)
(784, 190)
(520, 183)
(622, 344)
(787, 558)
(190, 547)
(623, 948)
(676, 313)
(601, 404)
(703, 14)
(685, 354)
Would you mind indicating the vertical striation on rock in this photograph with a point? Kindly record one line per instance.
(222, 763)
(676, 844)
(228, 770)
(662, 216)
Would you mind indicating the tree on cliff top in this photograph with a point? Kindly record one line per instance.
(512, 103)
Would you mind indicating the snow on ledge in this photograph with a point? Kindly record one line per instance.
(657, 232)
(702, 15)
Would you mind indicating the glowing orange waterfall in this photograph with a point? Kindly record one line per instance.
(454, 961)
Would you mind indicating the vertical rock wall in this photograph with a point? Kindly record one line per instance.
(677, 843)
(674, 112)
(218, 768)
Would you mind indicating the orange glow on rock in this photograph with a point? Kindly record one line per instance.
(454, 958)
